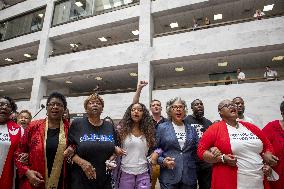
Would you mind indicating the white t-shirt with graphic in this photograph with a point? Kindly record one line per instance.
(180, 134)
(247, 148)
(5, 144)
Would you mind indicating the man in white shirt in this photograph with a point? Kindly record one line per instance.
(240, 75)
(269, 74)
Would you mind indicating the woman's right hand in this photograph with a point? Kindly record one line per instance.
(35, 178)
(169, 162)
(230, 159)
(88, 169)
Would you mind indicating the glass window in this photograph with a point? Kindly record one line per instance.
(21, 25)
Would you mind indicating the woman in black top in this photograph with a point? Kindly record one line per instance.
(94, 140)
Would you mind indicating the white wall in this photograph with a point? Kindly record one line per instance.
(162, 5)
(18, 72)
(126, 53)
(224, 38)
(262, 99)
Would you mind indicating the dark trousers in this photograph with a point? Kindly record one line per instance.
(179, 185)
(204, 175)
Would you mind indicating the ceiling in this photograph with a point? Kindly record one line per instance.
(246, 59)
(114, 79)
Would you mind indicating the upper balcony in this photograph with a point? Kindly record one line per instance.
(19, 7)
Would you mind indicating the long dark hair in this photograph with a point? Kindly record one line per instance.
(146, 125)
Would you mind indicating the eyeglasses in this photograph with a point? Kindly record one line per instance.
(177, 107)
(4, 104)
(53, 104)
(229, 106)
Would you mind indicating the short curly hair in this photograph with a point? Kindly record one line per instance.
(59, 96)
(27, 112)
(93, 97)
(14, 106)
(171, 102)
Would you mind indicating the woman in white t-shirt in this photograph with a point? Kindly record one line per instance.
(136, 136)
(244, 147)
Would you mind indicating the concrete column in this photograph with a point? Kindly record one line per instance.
(146, 31)
(45, 46)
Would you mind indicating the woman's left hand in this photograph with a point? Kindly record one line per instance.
(24, 158)
(69, 152)
(215, 152)
(267, 170)
(119, 151)
(270, 159)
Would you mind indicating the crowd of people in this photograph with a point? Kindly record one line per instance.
(181, 151)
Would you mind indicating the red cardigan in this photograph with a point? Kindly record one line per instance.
(224, 176)
(7, 177)
(33, 143)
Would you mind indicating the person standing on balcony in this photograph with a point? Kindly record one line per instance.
(240, 76)
(269, 74)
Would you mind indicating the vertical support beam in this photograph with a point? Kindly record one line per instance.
(146, 31)
(45, 46)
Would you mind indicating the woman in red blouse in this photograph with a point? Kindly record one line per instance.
(275, 134)
(242, 145)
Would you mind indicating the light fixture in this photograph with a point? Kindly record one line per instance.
(135, 32)
(218, 16)
(179, 69)
(27, 55)
(103, 39)
(133, 74)
(40, 15)
(174, 25)
(98, 78)
(222, 64)
(79, 4)
(21, 88)
(9, 59)
(277, 58)
(268, 8)
(68, 82)
(128, 1)
(108, 6)
(116, 4)
(74, 45)
(2, 90)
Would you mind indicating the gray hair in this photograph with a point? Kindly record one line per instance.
(171, 102)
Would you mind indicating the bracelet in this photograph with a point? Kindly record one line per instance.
(222, 158)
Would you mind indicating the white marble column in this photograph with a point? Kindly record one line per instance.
(45, 46)
(146, 31)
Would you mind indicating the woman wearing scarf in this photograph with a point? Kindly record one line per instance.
(45, 141)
